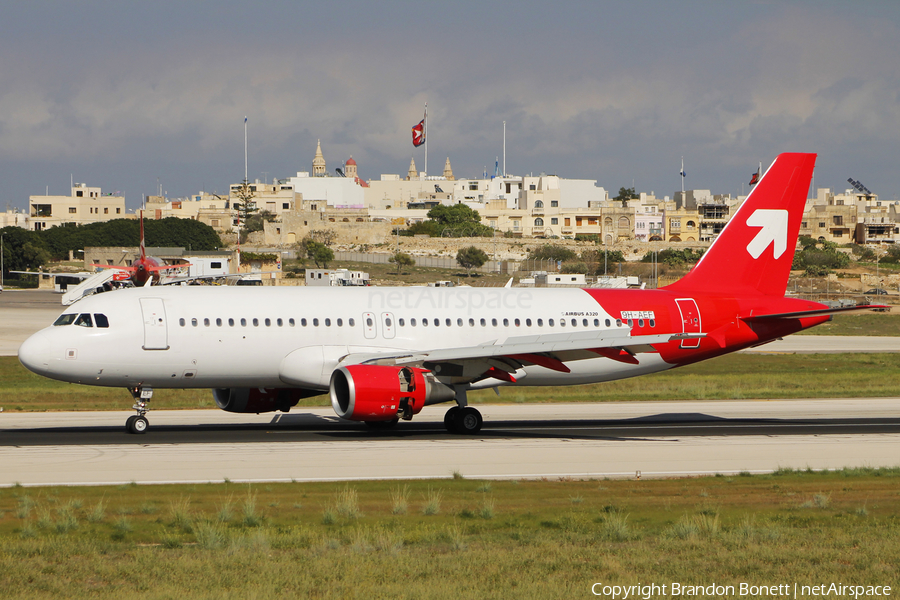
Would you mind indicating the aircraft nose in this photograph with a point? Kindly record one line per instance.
(34, 353)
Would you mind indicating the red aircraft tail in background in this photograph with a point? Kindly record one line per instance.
(143, 268)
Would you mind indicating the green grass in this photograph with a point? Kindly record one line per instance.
(526, 540)
(734, 376)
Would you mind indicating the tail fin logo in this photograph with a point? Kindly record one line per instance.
(774, 230)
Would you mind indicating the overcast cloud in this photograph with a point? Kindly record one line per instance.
(122, 96)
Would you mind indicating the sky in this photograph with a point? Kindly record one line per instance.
(137, 97)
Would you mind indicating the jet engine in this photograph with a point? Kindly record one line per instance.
(384, 393)
(259, 400)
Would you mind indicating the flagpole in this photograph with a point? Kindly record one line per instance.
(682, 175)
(504, 148)
(425, 130)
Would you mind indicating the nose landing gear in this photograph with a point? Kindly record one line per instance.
(138, 423)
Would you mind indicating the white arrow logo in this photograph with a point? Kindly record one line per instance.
(774, 225)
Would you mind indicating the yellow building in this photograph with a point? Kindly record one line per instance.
(85, 205)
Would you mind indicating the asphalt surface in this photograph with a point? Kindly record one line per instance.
(658, 439)
(315, 428)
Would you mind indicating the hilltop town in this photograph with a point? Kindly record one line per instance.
(521, 212)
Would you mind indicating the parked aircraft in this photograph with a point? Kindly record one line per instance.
(383, 353)
(143, 269)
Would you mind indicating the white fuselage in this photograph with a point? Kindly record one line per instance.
(272, 337)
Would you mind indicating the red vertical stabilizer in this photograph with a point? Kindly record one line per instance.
(754, 252)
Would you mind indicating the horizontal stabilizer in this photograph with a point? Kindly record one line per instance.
(815, 313)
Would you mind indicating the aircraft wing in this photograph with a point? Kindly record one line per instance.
(504, 356)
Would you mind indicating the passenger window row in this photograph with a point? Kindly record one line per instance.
(402, 322)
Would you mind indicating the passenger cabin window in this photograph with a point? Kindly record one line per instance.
(351, 322)
(218, 322)
(84, 320)
(181, 322)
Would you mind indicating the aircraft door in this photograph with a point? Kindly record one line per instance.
(156, 335)
(369, 328)
(690, 320)
(387, 325)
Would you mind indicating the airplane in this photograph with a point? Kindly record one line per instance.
(384, 353)
(142, 270)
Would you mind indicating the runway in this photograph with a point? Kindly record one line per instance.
(657, 439)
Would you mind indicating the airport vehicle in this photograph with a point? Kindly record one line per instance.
(383, 353)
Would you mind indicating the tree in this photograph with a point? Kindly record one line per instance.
(245, 205)
(818, 258)
(471, 257)
(319, 253)
(551, 252)
(170, 232)
(626, 194)
(402, 260)
(23, 250)
(457, 220)
(257, 222)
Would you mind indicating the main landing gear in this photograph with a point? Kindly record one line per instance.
(463, 419)
(138, 423)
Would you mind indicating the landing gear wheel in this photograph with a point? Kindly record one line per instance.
(450, 419)
(137, 424)
(379, 425)
(141, 424)
(467, 420)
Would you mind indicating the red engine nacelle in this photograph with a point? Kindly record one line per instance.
(256, 400)
(384, 393)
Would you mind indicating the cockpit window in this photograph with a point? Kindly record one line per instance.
(65, 319)
(84, 320)
(101, 320)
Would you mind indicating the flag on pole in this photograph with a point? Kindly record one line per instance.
(418, 134)
(754, 179)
